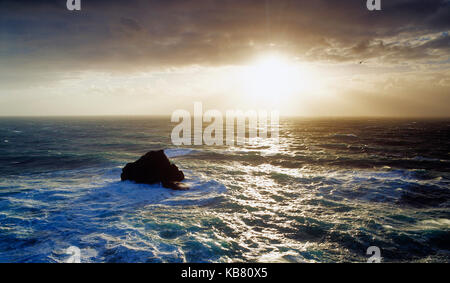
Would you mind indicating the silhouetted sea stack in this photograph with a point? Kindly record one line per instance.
(154, 167)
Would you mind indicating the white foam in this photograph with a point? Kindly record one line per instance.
(286, 257)
(345, 135)
(124, 195)
(173, 152)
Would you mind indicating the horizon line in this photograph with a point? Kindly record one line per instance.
(169, 115)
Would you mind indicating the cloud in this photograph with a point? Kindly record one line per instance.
(46, 49)
(132, 34)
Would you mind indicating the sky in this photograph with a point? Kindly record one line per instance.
(302, 58)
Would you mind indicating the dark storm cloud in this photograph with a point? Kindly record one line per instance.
(113, 34)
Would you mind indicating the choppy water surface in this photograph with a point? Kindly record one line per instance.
(327, 192)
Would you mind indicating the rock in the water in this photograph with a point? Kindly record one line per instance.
(154, 167)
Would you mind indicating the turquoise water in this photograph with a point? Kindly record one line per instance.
(330, 189)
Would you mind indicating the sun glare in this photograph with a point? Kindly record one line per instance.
(274, 78)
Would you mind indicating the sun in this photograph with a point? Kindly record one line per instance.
(273, 78)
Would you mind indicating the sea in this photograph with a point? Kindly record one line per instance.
(326, 192)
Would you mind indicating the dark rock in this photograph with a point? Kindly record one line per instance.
(154, 167)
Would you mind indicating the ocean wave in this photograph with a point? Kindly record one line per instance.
(344, 135)
(421, 158)
(325, 193)
(90, 214)
(175, 152)
(403, 187)
(130, 195)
